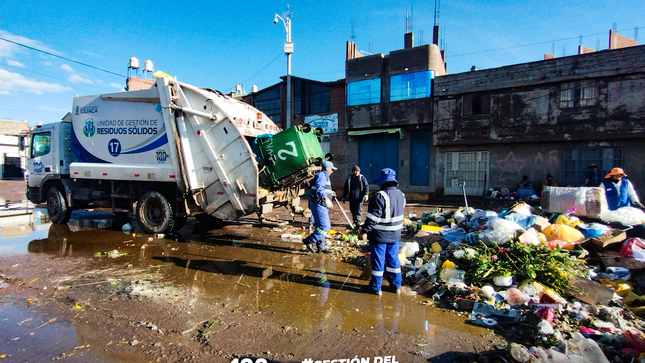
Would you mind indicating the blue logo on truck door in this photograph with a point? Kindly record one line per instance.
(114, 147)
(89, 129)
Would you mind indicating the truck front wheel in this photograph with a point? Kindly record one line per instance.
(59, 211)
(155, 213)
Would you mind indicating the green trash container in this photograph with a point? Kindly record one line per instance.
(294, 149)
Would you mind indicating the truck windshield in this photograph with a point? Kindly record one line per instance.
(40, 144)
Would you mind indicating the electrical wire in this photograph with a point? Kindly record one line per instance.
(63, 57)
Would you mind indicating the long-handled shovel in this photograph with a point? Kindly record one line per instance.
(344, 214)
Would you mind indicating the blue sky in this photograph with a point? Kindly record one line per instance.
(219, 43)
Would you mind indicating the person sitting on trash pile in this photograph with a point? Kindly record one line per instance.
(383, 226)
(619, 190)
(525, 189)
(320, 196)
(356, 191)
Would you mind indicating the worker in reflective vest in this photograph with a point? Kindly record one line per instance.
(619, 190)
(383, 226)
(320, 199)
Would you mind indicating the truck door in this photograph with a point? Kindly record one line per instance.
(41, 157)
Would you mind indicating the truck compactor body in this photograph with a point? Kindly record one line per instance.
(166, 153)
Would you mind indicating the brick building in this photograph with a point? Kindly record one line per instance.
(555, 117)
(389, 114)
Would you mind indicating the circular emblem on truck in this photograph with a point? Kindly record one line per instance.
(89, 129)
(114, 147)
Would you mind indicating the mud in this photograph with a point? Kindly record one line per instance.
(235, 291)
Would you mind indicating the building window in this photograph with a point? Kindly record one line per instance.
(40, 144)
(476, 104)
(587, 96)
(408, 86)
(567, 96)
(364, 92)
(467, 170)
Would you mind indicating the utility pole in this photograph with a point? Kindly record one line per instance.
(288, 51)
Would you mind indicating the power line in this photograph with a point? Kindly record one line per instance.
(62, 57)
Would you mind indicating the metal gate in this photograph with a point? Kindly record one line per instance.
(470, 167)
(376, 152)
(420, 146)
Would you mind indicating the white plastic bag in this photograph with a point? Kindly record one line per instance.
(629, 216)
(500, 230)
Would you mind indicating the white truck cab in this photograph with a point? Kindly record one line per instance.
(50, 155)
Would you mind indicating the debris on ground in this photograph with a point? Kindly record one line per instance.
(111, 254)
(205, 331)
(550, 282)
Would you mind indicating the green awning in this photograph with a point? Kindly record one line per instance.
(374, 131)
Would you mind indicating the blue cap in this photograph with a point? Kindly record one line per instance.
(326, 164)
(386, 175)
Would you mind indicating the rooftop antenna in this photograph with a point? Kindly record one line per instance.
(553, 48)
(352, 34)
(614, 27)
(580, 39)
(420, 36)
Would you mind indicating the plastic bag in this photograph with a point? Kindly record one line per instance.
(634, 247)
(500, 231)
(522, 208)
(563, 232)
(593, 230)
(409, 249)
(522, 220)
(629, 216)
(530, 237)
(571, 221)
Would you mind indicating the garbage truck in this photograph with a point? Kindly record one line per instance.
(166, 153)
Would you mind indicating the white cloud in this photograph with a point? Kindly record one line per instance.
(73, 76)
(66, 67)
(11, 82)
(8, 50)
(118, 86)
(15, 63)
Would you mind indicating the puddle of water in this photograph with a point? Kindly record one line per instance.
(250, 267)
(29, 336)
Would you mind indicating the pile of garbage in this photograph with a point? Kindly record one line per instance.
(550, 281)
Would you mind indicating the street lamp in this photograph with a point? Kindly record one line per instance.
(288, 50)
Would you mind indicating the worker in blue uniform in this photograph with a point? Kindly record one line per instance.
(320, 199)
(619, 190)
(383, 226)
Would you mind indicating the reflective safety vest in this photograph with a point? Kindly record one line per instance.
(385, 216)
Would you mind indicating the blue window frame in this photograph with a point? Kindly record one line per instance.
(364, 92)
(408, 86)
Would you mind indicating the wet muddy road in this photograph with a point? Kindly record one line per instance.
(86, 292)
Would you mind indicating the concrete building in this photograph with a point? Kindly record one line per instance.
(556, 116)
(320, 104)
(389, 114)
(13, 141)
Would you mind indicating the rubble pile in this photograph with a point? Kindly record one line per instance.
(563, 285)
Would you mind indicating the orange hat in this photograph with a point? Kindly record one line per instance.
(615, 172)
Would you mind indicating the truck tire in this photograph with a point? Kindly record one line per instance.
(155, 213)
(59, 211)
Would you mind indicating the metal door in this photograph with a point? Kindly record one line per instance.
(376, 152)
(420, 146)
(466, 167)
